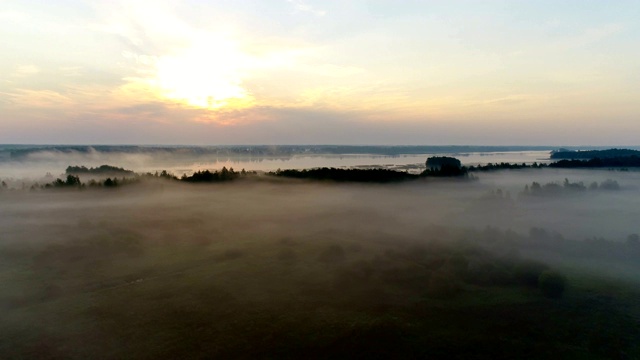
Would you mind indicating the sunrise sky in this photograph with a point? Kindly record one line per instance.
(320, 72)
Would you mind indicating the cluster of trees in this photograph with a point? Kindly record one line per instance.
(614, 162)
(217, 176)
(622, 251)
(612, 158)
(504, 166)
(622, 161)
(164, 174)
(445, 171)
(592, 154)
(437, 162)
(441, 166)
(444, 166)
(445, 270)
(567, 187)
(595, 158)
(73, 181)
(347, 175)
(101, 170)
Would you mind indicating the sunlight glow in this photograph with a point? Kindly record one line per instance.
(207, 75)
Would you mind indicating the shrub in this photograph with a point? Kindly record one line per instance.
(287, 256)
(443, 285)
(332, 254)
(528, 272)
(551, 283)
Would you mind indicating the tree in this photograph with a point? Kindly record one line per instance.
(437, 162)
(110, 183)
(73, 180)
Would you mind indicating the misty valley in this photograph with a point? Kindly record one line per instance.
(308, 179)
(503, 262)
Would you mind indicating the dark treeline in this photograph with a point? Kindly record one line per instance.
(620, 161)
(73, 181)
(610, 158)
(207, 176)
(101, 170)
(434, 169)
(446, 171)
(370, 175)
(437, 166)
(226, 175)
(592, 154)
(504, 166)
(351, 175)
(613, 162)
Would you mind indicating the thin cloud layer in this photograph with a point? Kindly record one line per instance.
(482, 72)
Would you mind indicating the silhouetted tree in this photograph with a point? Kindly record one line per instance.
(437, 162)
(73, 180)
(110, 183)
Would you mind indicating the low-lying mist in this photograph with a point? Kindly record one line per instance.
(269, 267)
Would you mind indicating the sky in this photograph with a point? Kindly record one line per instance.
(320, 72)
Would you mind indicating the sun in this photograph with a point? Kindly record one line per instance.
(207, 75)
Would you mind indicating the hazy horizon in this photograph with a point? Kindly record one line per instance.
(532, 146)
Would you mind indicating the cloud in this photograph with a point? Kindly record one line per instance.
(12, 16)
(303, 6)
(71, 71)
(597, 34)
(26, 70)
(27, 98)
(510, 100)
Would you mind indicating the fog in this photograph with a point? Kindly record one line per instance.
(112, 272)
(32, 163)
(611, 214)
